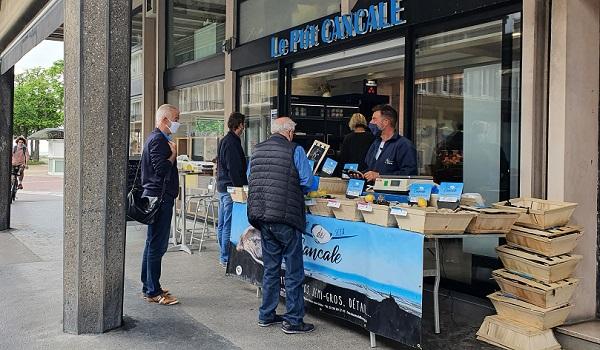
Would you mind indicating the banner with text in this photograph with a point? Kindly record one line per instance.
(366, 274)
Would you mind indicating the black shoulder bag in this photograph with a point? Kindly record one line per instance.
(142, 208)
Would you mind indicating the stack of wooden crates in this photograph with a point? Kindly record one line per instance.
(536, 284)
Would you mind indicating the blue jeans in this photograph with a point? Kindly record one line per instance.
(157, 242)
(224, 228)
(280, 241)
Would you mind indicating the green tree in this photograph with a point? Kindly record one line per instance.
(39, 99)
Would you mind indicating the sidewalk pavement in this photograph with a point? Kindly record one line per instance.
(216, 311)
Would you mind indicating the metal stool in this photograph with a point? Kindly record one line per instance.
(206, 201)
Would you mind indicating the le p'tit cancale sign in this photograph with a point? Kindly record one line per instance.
(384, 15)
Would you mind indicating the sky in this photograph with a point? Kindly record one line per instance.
(43, 55)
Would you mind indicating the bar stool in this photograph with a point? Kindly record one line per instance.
(206, 201)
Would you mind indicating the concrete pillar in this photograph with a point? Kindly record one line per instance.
(7, 85)
(573, 131)
(230, 85)
(149, 69)
(534, 93)
(97, 59)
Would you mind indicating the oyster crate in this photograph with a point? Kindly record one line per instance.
(539, 213)
(333, 185)
(529, 314)
(378, 215)
(346, 210)
(539, 267)
(491, 220)
(433, 221)
(544, 295)
(508, 334)
(320, 207)
(551, 242)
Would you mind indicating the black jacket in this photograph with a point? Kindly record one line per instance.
(156, 167)
(274, 192)
(354, 149)
(231, 163)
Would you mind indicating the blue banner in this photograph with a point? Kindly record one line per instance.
(366, 274)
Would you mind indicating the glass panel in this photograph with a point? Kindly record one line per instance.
(201, 117)
(464, 132)
(136, 68)
(258, 102)
(467, 122)
(195, 30)
(259, 18)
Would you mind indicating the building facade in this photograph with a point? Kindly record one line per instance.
(499, 94)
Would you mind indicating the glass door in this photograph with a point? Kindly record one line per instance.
(258, 102)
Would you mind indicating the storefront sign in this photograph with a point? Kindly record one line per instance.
(386, 14)
(369, 275)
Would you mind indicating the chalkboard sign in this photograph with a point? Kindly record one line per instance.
(317, 152)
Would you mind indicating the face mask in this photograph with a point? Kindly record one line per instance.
(374, 128)
(174, 126)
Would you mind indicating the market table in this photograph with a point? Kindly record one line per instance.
(435, 272)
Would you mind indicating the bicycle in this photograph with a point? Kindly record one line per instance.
(14, 181)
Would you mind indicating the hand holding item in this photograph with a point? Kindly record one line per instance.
(173, 147)
(371, 175)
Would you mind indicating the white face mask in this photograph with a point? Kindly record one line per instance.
(174, 126)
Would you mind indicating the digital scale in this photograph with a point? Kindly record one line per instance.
(395, 184)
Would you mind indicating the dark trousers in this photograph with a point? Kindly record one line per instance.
(282, 242)
(157, 242)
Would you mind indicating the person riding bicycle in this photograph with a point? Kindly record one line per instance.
(20, 158)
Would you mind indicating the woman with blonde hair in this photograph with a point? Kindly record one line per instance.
(357, 143)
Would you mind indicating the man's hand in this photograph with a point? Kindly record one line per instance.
(371, 175)
(173, 147)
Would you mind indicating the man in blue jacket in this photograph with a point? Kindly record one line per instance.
(159, 171)
(390, 153)
(231, 165)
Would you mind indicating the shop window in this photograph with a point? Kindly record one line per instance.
(195, 30)
(258, 101)
(468, 130)
(135, 126)
(135, 123)
(467, 125)
(202, 119)
(260, 18)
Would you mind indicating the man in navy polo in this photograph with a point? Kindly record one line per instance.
(390, 153)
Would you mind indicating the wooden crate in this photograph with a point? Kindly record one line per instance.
(347, 210)
(529, 314)
(539, 213)
(431, 221)
(512, 335)
(238, 194)
(380, 215)
(333, 185)
(320, 208)
(551, 242)
(544, 295)
(491, 220)
(545, 269)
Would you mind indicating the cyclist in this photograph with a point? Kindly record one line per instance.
(20, 158)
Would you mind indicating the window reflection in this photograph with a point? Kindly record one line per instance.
(259, 104)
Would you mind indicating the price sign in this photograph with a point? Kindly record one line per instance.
(418, 190)
(355, 187)
(329, 166)
(365, 207)
(399, 211)
(332, 203)
(450, 192)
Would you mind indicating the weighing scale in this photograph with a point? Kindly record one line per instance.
(395, 184)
